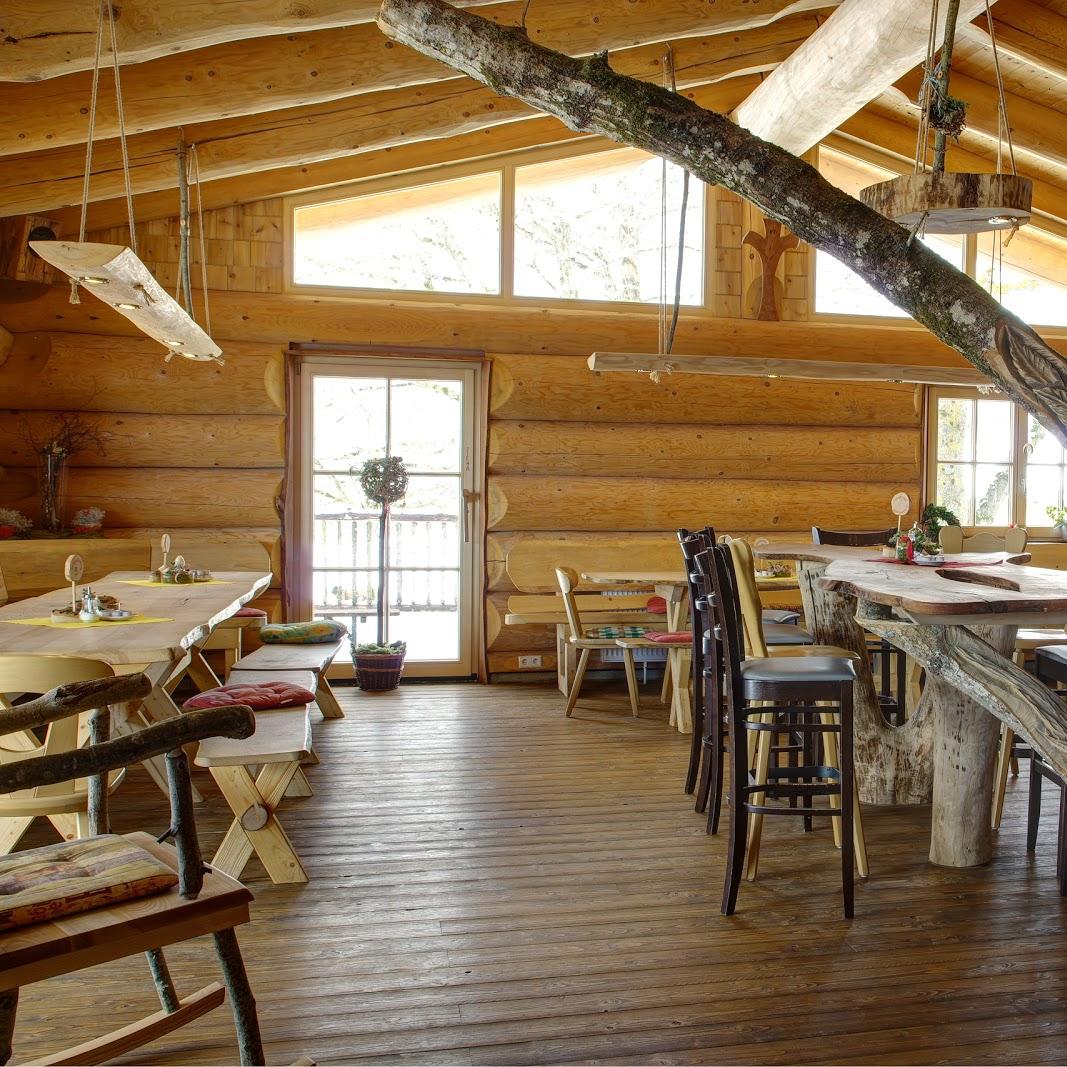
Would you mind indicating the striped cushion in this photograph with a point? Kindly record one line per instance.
(315, 632)
(609, 632)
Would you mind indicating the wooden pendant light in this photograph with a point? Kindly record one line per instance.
(933, 200)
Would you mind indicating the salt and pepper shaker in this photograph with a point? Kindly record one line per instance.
(90, 611)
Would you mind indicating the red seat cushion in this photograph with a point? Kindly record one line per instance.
(675, 637)
(250, 613)
(257, 695)
(656, 605)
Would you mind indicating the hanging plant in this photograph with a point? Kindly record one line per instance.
(384, 481)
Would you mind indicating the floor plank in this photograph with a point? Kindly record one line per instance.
(494, 883)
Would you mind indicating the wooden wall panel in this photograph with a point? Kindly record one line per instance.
(563, 388)
(136, 440)
(819, 453)
(86, 372)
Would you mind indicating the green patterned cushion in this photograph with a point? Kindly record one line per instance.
(316, 632)
(605, 632)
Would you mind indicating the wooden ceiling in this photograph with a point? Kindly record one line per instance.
(283, 97)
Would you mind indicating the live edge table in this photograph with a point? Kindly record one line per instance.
(174, 619)
(959, 622)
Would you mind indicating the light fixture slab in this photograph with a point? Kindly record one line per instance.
(953, 203)
(115, 275)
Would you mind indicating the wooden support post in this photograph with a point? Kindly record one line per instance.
(99, 731)
(164, 983)
(183, 824)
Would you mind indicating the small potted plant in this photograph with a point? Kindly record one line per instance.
(379, 665)
(935, 516)
(87, 522)
(13, 524)
(1058, 516)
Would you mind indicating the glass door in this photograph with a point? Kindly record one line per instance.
(425, 416)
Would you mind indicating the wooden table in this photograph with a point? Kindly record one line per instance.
(960, 625)
(159, 649)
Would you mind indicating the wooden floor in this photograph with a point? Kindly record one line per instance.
(494, 884)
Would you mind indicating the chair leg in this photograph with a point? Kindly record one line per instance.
(9, 1002)
(699, 696)
(755, 821)
(631, 679)
(1033, 809)
(1000, 784)
(848, 793)
(713, 802)
(242, 1002)
(735, 855)
(164, 983)
(579, 677)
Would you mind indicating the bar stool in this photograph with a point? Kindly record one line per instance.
(814, 693)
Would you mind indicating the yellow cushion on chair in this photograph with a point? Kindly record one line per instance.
(42, 884)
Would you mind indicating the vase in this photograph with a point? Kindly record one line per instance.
(53, 490)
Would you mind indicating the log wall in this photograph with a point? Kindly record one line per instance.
(582, 469)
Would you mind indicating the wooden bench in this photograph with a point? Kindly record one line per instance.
(281, 742)
(314, 658)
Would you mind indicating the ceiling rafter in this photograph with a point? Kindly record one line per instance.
(248, 77)
(1030, 33)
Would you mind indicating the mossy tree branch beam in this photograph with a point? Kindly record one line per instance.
(589, 96)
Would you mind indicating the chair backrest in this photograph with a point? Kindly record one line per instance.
(240, 554)
(744, 570)
(568, 579)
(716, 568)
(820, 535)
(953, 540)
(37, 675)
(698, 589)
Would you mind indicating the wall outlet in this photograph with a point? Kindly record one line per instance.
(530, 661)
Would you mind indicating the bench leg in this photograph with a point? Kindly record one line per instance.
(326, 701)
(299, 786)
(256, 827)
(200, 671)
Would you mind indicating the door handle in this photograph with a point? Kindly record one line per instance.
(469, 497)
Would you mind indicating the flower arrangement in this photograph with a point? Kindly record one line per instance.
(13, 523)
(87, 520)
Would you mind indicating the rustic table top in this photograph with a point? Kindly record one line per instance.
(997, 585)
(188, 613)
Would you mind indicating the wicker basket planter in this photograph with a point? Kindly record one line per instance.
(378, 671)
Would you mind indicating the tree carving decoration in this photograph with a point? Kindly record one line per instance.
(769, 247)
(590, 97)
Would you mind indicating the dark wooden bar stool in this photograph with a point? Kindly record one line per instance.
(1050, 665)
(891, 663)
(806, 695)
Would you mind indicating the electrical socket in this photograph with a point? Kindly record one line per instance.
(530, 661)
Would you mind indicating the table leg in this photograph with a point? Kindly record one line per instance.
(678, 664)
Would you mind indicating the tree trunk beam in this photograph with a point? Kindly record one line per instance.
(588, 95)
(72, 699)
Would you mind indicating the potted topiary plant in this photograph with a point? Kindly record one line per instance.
(935, 516)
(379, 665)
(1058, 516)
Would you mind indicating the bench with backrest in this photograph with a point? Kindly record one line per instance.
(255, 773)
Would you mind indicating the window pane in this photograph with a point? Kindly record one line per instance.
(954, 428)
(443, 237)
(1042, 491)
(994, 437)
(424, 612)
(589, 228)
(348, 421)
(427, 424)
(839, 291)
(1025, 275)
(1044, 446)
(955, 490)
(424, 528)
(992, 495)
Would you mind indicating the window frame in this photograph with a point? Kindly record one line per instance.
(970, 254)
(1020, 459)
(505, 165)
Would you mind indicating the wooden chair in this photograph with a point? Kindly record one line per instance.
(579, 639)
(764, 696)
(894, 704)
(953, 540)
(64, 804)
(108, 897)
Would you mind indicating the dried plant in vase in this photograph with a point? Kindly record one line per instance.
(69, 434)
(13, 524)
